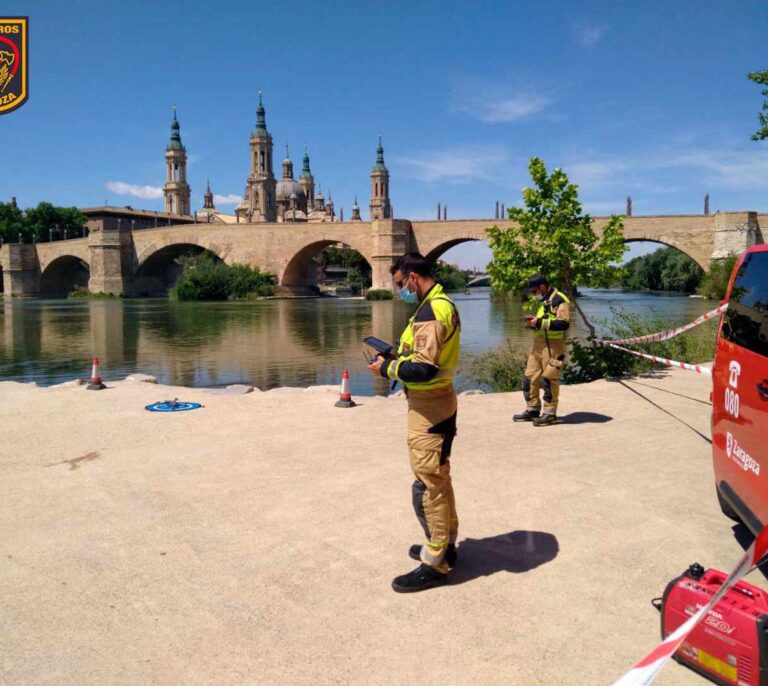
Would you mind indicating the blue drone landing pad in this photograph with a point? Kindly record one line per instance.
(172, 406)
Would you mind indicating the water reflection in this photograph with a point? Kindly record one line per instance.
(266, 343)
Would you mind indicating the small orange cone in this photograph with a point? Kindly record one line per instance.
(345, 396)
(95, 383)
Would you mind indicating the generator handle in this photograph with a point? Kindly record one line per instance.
(740, 586)
(757, 594)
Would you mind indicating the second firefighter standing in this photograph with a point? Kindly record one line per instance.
(545, 361)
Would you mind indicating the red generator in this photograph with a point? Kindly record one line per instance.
(729, 646)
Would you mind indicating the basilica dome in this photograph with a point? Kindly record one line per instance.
(287, 187)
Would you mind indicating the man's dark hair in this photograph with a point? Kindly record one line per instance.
(412, 262)
(536, 281)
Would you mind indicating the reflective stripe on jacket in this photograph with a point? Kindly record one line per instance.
(553, 315)
(428, 353)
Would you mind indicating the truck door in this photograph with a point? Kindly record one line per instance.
(740, 400)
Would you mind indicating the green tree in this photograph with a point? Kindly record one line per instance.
(715, 281)
(36, 222)
(12, 223)
(666, 269)
(553, 237)
(761, 77)
(358, 269)
(450, 276)
(44, 217)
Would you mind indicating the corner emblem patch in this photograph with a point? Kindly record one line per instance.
(14, 63)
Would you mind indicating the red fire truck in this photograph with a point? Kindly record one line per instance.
(740, 394)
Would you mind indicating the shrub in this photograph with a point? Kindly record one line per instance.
(586, 362)
(378, 294)
(714, 284)
(207, 278)
(500, 369)
(83, 292)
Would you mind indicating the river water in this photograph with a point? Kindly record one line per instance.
(267, 343)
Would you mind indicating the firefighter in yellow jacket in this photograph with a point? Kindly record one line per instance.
(545, 360)
(427, 356)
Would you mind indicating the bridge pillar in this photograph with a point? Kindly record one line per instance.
(21, 270)
(109, 251)
(390, 239)
(734, 233)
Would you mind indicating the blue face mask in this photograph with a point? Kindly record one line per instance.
(411, 297)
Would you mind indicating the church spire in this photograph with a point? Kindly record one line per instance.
(307, 181)
(380, 166)
(305, 172)
(287, 165)
(175, 143)
(176, 189)
(261, 119)
(208, 197)
(380, 206)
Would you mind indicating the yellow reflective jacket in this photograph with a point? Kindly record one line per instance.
(428, 353)
(553, 315)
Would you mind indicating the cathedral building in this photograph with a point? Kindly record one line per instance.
(265, 198)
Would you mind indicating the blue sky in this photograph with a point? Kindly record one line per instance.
(646, 99)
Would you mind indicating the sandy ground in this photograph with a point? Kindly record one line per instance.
(254, 541)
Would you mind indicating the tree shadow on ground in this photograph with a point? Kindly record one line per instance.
(584, 418)
(744, 537)
(515, 552)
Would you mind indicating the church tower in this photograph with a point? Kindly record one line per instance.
(380, 207)
(261, 182)
(208, 197)
(356, 212)
(176, 188)
(307, 182)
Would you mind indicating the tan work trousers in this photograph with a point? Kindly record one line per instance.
(541, 375)
(431, 428)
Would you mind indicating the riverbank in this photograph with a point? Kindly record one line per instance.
(254, 540)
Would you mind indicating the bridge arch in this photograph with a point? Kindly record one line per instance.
(298, 274)
(157, 269)
(699, 260)
(63, 274)
(437, 251)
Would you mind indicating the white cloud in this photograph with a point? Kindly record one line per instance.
(230, 199)
(498, 102)
(593, 173)
(728, 169)
(458, 165)
(147, 192)
(506, 110)
(588, 36)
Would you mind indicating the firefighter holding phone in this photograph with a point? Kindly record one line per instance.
(545, 361)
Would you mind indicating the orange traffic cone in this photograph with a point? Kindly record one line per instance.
(95, 383)
(345, 396)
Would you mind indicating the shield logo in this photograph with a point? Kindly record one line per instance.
(14, 63)
(729, 443)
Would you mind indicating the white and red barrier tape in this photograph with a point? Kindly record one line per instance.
(646, 671)
(699, 369)
(666, 335)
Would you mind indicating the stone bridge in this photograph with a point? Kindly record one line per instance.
(142, 262)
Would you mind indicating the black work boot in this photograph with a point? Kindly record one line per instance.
(528, 416)
(420, 579)
(414, 552)
(545, 420)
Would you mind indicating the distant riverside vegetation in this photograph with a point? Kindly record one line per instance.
(669, 269)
